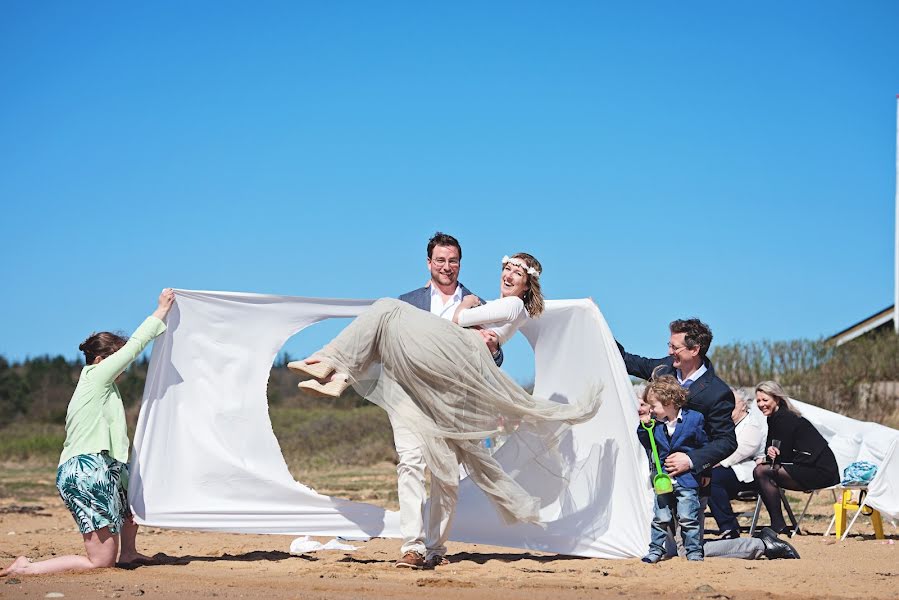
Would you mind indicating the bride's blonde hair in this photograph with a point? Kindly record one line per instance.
(533, 296)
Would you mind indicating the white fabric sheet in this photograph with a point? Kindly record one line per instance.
(306, 545)
(205, 456)
(853, 440)
(883, 491)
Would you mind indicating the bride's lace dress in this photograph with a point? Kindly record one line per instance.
(439, 380)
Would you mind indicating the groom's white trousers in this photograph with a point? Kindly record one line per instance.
(431, 540)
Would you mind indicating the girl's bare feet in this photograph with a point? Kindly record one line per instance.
(18, 566)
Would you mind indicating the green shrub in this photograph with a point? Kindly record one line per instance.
(24, 441)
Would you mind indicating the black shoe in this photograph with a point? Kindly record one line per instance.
(776, 547)
(728, 534)
(787, 530)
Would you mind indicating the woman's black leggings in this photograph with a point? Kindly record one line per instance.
(770, 480)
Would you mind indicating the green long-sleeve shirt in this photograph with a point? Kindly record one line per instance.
(95, 420)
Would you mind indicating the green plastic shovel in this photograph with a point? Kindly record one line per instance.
(661, 483)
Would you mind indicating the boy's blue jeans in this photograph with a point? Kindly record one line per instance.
(681, 504)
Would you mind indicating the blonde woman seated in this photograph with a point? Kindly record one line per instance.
(799, 456)
(439, 379)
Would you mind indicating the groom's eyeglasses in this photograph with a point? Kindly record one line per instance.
(441, 262)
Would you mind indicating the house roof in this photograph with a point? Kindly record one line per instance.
(876, 320)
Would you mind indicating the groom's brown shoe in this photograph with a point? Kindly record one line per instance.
(410, 560)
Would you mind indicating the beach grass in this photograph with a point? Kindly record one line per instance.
(318, 439)
(27, 482)
(31, 441)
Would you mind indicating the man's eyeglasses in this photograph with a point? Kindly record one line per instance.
(441, 262)
(674, 348)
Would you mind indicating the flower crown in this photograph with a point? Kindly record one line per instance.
(519, 263)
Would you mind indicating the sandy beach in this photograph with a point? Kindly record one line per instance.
(215, 565)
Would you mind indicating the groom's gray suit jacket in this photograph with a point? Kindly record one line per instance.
(421, 298)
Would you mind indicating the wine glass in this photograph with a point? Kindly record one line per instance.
(776, 444)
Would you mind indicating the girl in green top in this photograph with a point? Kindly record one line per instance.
(92, 478)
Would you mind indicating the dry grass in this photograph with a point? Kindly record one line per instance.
(857, 379)
(374, 484)
(27, 481)
(345, 452)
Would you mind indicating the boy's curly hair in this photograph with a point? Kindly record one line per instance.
(667, 390)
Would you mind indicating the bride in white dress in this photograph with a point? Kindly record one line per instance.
(439, 379)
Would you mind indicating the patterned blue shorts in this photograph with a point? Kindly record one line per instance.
(95, 490)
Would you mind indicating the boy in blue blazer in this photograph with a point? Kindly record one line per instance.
(677, 429)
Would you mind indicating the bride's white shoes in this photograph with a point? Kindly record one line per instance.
(324, 383)
(329, 389)
(317, 370)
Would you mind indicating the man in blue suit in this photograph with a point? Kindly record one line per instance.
(424, 545)
(707, 394)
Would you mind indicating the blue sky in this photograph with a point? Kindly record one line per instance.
(733, 161)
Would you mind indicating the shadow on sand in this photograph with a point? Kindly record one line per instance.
(257, 555)
(482, 558)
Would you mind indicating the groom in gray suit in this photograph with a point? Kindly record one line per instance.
(425, 546)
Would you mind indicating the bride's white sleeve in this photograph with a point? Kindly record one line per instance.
(504, 316)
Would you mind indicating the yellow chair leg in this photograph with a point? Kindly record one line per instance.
(839, 511)
(878, 525)
(840, 519)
